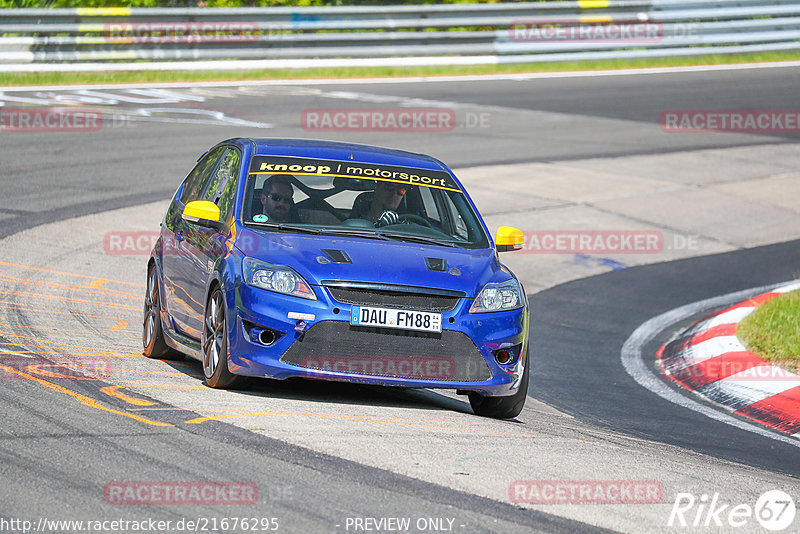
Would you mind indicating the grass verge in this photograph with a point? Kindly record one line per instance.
(61, 78)
(772, 331)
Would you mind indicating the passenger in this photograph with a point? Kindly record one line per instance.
(276, 197)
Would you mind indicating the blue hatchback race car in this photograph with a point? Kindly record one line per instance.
(287, 258)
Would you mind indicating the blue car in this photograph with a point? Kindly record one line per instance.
(285, 258)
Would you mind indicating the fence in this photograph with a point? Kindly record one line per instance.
(298, 37)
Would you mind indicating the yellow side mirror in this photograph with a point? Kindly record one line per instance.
(508, 238)
(203, 213)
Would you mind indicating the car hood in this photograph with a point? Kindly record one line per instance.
(323, 258)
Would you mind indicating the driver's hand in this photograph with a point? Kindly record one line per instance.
(388, 217)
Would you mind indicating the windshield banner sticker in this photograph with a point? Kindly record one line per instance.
(354, 169)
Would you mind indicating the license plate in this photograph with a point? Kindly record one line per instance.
(389, 318)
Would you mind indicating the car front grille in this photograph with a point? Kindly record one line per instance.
(340, 347)
(393, 299)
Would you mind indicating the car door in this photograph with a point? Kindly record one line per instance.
(204, 246)
(175, 252)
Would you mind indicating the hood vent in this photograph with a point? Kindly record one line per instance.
(436, 264)
(337, 256)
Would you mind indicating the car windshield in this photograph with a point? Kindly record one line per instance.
(361, 200)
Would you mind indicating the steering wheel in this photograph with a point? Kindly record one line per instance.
(415, 218)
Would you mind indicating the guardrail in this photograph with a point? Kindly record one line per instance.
(297, 37)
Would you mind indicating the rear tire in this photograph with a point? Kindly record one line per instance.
(215, 345)
(502, 407)
(153, 340)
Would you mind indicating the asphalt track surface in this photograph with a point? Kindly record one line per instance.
(56, 456)
(573, 331)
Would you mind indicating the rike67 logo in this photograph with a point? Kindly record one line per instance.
(774, 510)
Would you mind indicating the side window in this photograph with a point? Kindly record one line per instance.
(459, 225)
(429, 204)
(194, 183)
(222, 188)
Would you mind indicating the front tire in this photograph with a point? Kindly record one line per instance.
(503, 407)
(215, 345)
(152, 332)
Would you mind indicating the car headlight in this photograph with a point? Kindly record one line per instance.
(277, 278)
(501, 296)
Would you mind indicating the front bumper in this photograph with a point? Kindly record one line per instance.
(329, 348)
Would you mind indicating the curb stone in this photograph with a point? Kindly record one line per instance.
(709, 360)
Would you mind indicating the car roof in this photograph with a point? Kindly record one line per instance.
(340, 151)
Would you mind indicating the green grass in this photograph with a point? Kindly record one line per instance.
(58, 78)
(773, 331)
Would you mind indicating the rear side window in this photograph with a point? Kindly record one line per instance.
(194, 183)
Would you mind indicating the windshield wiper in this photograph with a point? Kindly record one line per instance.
(372, 234)
(321, 231)
(284, 226)
(417, 238)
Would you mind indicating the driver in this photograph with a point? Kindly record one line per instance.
(383, 208)
(276, 197)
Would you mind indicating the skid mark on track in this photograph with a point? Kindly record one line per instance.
(114, 391)
(113, 305)
(121, 325)
(92, 352)
(90, 289)
(9, 305)
(157, 373)
(83, 399)
(44, 344)
(77, 275)
(39, 369)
